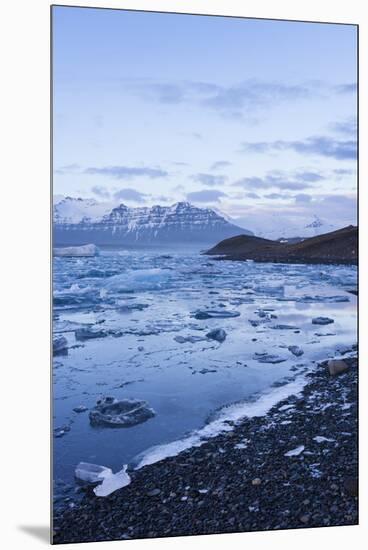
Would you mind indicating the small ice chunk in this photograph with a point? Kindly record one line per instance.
(284, 327)
(215, 314)
(87, 250)
(296, 350)
(217, 334)
(322, 321)
(91, 473)
(268, 358)
(112, 483)
(286, 407)
(322, 439)
(295, 452)
(107, 481)
(89, 333)
(60, 345)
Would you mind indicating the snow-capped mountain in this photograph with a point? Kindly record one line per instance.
(275, 227)
(83, 221)
(68, 210)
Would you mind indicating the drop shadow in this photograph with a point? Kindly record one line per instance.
(40, 532)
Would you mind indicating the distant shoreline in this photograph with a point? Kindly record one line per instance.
(284, 260)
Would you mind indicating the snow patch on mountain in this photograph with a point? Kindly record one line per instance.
(68, 210)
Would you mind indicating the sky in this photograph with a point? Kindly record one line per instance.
(256, 118)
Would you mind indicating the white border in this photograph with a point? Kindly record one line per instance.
(26, 273)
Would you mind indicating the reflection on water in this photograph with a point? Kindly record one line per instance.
(142, 301)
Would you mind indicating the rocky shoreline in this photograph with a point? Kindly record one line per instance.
(295, 467)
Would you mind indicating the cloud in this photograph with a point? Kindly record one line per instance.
(130, 195)
(101, 192)
(276, 179)
(209, 179)
(67, 169)
(127, 172)
(349, 88)
(344, 172)
(220, 164)
(251, 195)
(317, 145)
(206, 195)
(233, 100)
(302, 198)
(178, 187)
(252, 94)
(275, 196)
(342, 209)
(347, 127)
(309, 176)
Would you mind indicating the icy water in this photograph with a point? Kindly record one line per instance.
(146, 299)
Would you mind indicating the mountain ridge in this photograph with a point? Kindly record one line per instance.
(82, 221)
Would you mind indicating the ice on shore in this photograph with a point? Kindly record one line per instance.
(295, 452)
(234, 413)
(91, 473)
(107, 481)
(322, 439)
(86, 250)
(112, 483)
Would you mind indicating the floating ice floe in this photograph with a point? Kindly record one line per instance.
(217, 334)
(61, 431)
(323, 299)
(107, 481)
(80, 409)
(128, 308)
(322, 321)
(296, 350)
(111, 412)
(268, 358)
(295, 452)
(60, 345)
(139, 279)
(89, 333)
(86, 250)
(191, 339)
(215, 314)
(284, 327)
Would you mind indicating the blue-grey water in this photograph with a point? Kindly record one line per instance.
(148, 298)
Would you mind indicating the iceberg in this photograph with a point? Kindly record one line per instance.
(86, 250)
(111, 412)
(60, 345)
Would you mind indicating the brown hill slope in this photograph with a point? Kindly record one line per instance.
(336, 247)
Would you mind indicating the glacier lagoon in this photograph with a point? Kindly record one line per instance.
(146, 307)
